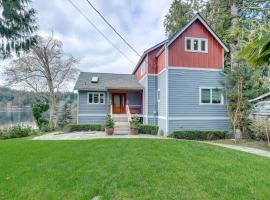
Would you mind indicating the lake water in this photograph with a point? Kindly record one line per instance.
(22, 117)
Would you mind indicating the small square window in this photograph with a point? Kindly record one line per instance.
(206, 96)
(188, 44)
(195, 45)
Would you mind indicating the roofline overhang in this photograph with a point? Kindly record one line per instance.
(148, 51)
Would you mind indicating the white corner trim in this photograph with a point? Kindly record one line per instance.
(199, 118)
(195, 68)
(78, 106)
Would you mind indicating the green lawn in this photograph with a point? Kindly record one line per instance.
(129, 169)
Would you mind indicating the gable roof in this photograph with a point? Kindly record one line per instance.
(148, 51)
(107, 81)
(198, 17)
(260, 97)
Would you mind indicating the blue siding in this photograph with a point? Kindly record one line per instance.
(85, 108)
(152, 102)
(91, 119)
(184, 86)
(198, 125)
(161, 84)
(184, 95)
(144, 83)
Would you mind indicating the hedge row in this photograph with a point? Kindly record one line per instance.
(199, 135)
(148, 129)
(16, 132)
(84, 127)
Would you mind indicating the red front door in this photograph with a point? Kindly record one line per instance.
(119, 103)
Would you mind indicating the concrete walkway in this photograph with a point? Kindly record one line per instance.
(90, 135)
(244, 149)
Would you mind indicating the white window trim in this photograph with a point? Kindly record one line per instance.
(98, 97)
(158, 92)
(199, 44)
(211, 103)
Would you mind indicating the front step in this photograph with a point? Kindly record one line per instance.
(122, 126)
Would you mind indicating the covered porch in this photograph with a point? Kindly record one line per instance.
(126, 102)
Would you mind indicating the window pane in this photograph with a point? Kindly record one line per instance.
(205, 96)
(195, 45)
(95, 98)
(101, 96)
(90, 98)
(188, 47)
(216, 96)
(203, 44)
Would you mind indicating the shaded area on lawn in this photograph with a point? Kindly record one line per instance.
(129, 169)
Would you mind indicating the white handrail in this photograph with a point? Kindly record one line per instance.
(128, 113)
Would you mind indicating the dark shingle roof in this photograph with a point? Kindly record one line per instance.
(107, 81)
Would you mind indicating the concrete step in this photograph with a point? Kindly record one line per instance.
(122, 128)
(117, 123)
(121, 132)
(122, 119)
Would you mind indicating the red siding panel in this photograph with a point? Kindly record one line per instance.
(161, 62)
(152, 61)
(179, 57)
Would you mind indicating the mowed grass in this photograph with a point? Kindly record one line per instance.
(129, 169)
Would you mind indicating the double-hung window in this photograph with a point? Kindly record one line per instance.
(96, 98)
(196, 44)
(211, 96)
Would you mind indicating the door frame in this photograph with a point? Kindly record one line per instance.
(122, 104)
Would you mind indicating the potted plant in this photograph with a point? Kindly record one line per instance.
(134, 125)
(109, 125)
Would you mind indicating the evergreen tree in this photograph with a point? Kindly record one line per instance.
(17, 26)
(64, 114)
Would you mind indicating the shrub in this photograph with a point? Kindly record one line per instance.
(148, 129)
(135, 122)
(198, 135)
(16, 132)
(38, 109)
(260, 129)
(109, 123)
(84, 127)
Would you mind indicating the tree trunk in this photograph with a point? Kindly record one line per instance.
(52, 104)
(233, 49)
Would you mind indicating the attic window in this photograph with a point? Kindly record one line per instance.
(94, 79)
(196, 44)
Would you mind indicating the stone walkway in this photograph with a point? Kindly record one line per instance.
(90, 135)
(244, 149)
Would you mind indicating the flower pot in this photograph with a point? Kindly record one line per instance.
(109, 131)
(134, 131)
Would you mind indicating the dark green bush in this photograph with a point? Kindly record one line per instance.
(38, 109)
(16, 132)
(148, 129)
(84, 127)
(198, 135)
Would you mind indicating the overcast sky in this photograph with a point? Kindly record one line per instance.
(139, 21)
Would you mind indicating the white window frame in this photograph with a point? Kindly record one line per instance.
(143, 68)
(158, 95)
(99, 93)
(199, 44)
(211, 103)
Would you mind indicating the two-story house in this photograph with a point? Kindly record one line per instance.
(175, 85)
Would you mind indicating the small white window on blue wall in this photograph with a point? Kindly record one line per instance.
(96, 98)
(211, 96)
(196, 44)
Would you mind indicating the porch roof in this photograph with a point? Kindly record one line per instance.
(107, 81)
